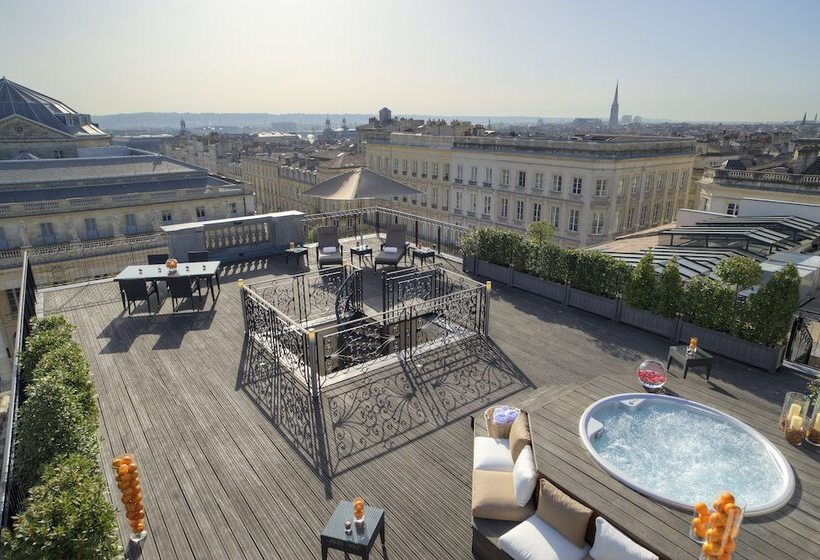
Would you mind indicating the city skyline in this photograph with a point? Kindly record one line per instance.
(524, 59)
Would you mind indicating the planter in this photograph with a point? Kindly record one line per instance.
(599, 305)
(492, 271)
(728, 346)
(539, 286)
(648, 321)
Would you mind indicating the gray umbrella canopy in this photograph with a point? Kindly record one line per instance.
(359, 184)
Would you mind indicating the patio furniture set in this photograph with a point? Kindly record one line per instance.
(394, 249)
(139, 282)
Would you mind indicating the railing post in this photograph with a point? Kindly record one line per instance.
(438, 239)
(313, 362)
(416, 226)
(487, 287)
(242, 295)
(378, 228)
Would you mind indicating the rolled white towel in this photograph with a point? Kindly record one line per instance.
(500, 417)
(512, 415)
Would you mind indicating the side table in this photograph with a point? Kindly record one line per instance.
(297, 252)
(362, 251)
(360, 540)
(698, 358)
(422, 254)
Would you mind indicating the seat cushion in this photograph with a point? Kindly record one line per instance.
(493, 497)
(525, 477)
(520, 434)
(567, 516)
(611, 544)
(535, 539)
(328, 250)
(391, 249)
(492, 454)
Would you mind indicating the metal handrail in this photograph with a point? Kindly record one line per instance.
(27, 309)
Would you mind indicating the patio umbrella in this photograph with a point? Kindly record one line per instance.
(360, 184)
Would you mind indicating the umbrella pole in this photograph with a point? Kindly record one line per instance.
(361, 219)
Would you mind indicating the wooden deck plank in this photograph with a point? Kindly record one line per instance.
(242, 465)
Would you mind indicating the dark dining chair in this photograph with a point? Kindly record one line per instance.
(182, 287)
(158, 258)
(138, 290)
(198, 256)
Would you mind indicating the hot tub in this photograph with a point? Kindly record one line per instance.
(679, 452)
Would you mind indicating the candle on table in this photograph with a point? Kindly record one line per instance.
(796, 423)
(794, 410)
(817, 423)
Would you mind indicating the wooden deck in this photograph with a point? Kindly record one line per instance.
(240, 463)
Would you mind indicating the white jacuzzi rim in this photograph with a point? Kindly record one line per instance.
(786, 491)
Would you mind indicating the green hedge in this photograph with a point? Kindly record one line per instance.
(763, 318)
(67, 515)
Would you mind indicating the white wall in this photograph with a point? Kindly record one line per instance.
(687, 217)
(763, 207)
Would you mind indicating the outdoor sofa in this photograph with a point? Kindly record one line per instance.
(546, 524)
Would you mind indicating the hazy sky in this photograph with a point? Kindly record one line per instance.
(692, 59)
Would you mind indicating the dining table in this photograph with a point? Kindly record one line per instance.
(207, 270)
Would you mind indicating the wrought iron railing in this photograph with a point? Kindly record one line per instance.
(444, 237)
(423, 283)
(11, 494)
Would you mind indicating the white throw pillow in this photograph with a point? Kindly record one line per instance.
(611, 544)
(328, 250)
(524, 476)
(391, 249)
(492, 454)
(535, 539)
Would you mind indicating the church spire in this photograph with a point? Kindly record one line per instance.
(613, 111)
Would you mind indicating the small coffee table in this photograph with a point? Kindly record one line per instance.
(422, 254)
(699, 358)
(361, 540)
(297, 252)
(362, 251)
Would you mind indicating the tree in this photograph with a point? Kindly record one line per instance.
(769, 312)
(669, 291)
(709, 304)
(640, 286)
(541, 233)
(740, 272)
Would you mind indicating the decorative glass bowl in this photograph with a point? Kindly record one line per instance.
(652, 375)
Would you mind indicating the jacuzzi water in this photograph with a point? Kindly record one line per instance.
(681, 452)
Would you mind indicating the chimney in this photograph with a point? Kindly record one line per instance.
(805, 153)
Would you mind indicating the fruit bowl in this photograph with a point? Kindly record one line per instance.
(652, 375)
(171, 264)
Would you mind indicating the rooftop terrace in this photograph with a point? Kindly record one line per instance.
(238, 461)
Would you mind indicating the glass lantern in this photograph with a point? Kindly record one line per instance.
(652, 375)
(794, 405)
(812, 428)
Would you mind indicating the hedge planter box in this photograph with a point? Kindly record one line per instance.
(494, 272)
(648, 321)
(599, 305)
(744, 351)
(539, 286)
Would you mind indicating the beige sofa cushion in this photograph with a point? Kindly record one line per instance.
(568, 517)
(520, 436)
(494, 497)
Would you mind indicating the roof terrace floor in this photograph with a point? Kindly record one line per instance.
(239, 463)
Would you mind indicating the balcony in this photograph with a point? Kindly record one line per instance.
(473, 183)
(457, 180)
(487, 184)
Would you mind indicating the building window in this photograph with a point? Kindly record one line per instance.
(661, 181)
(91, 228)
(647, 184)
(473, 175)
(459, 172)
(503, 210)
(488, 205)
(435, 170)
(673, 179)
(167, 217)
(446, 176)
(536, 212)
(557, 181)
(424, 169)
(621, 185)
(472, 202)
(684, 177)
(522, 178)
(505, 177)
(597, 223)
(733, 208)
(404, 167)
(656, 212)
(458, 200)
(539, 181)
(434, 197)
(642, 220)
(574, 216)
(488, 176)
(395, 166)
(47, 231)
(519, 210)
(232, 208)
(415, 168)
(600, 187)
(577, 184)
(555, 216)
(668, 211)
(13, 297)
(630, 218)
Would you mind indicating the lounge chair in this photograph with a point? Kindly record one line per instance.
(394, 248)
(328, 248)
